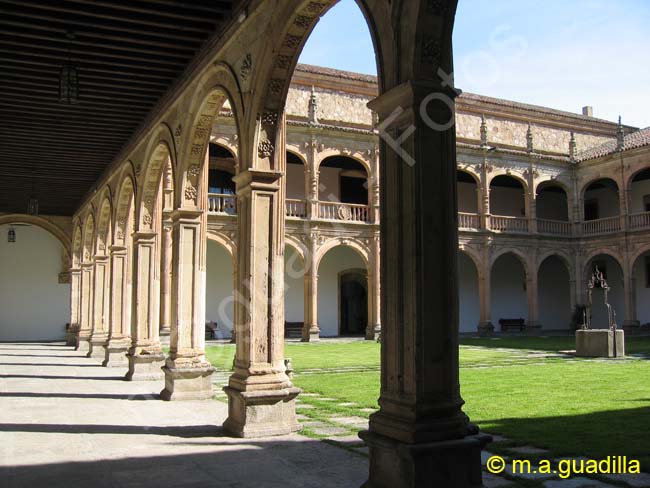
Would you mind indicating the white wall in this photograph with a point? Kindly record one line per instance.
(468, 298)
(339, 259)
(509, 300)
(33, 305)
(467, 197)
(219, 288)
(294, 286)
(616, 294)
(554, 297)
(295, 181)
(507, 201)
(642, 293)
(552, 205)
(329, 183)
(638, 191)
(608, 203)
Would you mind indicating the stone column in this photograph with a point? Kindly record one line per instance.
(312, 175)
(623, 206)
(310, 329)
(629, 289)
(187, 372)
(485, 326)
(85, 329)
(119, 338)
(261, 397)
(165, 275)
(75, 305)
(374, 190)
(373, 330)
(99, 335)
(420, 436)
(532, 212)
(533, 299)
(145, 356)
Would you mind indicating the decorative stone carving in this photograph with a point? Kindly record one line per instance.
(292, 42)
(265, 149)
(190, 192)
(283, 61)
(246, 67)
(303, 21)
(431, 50)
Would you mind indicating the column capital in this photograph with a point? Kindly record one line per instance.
(185, 216)
(258, 180)
(117, 250)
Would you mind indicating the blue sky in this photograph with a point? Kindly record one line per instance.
(558, 53)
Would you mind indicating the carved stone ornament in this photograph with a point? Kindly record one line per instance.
(292, 42)
(265, 149)
(246, 67)
(431, 50)
(194, 170)
(269, 118)
(190, 192)
(344, 213)
(303, 21)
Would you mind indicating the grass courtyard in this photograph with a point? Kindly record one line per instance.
(524, 389)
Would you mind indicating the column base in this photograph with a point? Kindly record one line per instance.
(187, 383)
(83, 341)
(311, 334)
(145, 367)
(485, 329)
(71, 336)
(452, 464)
(233, 336)
(373, 333)
(261, 413)
(116, 353)
(98, 346)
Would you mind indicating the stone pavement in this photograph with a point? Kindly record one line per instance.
(66, 421)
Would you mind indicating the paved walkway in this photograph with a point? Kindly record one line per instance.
(66, 421)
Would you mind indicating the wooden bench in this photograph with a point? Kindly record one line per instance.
(512, 324)
(293, 330)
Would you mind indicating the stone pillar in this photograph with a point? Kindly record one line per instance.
(165, 275)
(485, 208)
(187, 371)
(145, 356)
(374, 191)
(373, 331)
(420, 436)
(85, 328)
(312, 175)
(485, 326)
(99, 335)
(75, 305)
(623, 205)
(119, 338)
(533, 299)
(532, 212)
(629, 289)
(261, 397)
(310, 329)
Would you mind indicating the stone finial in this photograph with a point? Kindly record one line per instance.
(313, 106)
(573, 148)
(529, 139)
(484, 132)
(620, 136)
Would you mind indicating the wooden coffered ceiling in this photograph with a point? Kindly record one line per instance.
(128, 54)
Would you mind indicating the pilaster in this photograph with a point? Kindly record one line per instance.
(120, 317)
(101, 297)
(373, 330)
(85, 328)
(75, 305)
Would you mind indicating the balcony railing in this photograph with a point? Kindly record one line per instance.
(343, 211)
(502, 223)
(601, 226)
(639, 221)
(469, 221)
(554, 227)
(219, 203)
(296, 208)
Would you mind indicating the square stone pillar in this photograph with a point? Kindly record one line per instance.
(187, 372)
(261, 395)
(99, 334)
(420, 437)
(533, 301)
(75, 304)
(485, 326)
(119, 338)
(166, 276)
(145, 356)
(86, 307)
(373, 330)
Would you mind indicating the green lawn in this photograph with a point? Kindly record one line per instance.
(516, 387)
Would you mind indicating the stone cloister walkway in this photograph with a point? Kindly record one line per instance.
(66, 421)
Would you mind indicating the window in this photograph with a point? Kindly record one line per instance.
(591, 210)
(220, 181)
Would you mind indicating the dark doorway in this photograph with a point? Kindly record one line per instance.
(353, 302)
(591, 210)
(353, 190)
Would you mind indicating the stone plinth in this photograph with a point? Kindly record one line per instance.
(261, 413)
(116, 353)
(191, 383)
(452, 463)
(599, 343)
(98, 346)
(83, 341)
(485, 329)
(145, 367)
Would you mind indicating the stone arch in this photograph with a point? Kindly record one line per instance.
(595, 179)
(551, 182)
(225, 241)
(636, 173)
(601, 252)
(351, 243)
(157, 161)
(88, 237)
(104, 223)
(76, 245)
(44, 224)
(640, 252)
(474, 256)
(515, 176)
(355, 156)
(124, 207)
(295, 152)
(217, 86)
(517, 253)
(566, 260)
(297, 246)
(468, 170)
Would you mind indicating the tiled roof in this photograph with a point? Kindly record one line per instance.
(634, 140)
